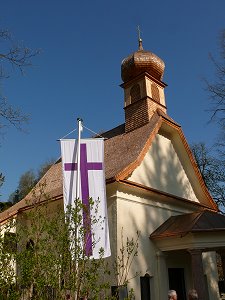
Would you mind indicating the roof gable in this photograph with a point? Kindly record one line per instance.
(192, 182)
(162, 169)
(123, 154)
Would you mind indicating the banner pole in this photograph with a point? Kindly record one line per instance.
(79, 122)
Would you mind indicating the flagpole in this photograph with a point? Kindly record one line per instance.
(79, 122)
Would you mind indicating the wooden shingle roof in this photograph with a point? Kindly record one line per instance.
(123, 153)
(179, 226)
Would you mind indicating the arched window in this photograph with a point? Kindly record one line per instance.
(155, 93)
(135, 93)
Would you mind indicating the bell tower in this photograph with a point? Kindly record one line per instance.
(142, 74)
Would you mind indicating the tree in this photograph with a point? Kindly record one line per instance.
(212, 170)
(28, 180)
(2, 178)
(44, 168)
(50, 255)
(5, 205)
(26, 183)
(48, 247)
(12, 56)
(216, 91)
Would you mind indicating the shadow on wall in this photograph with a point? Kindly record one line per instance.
(161, 169)
(164, 171)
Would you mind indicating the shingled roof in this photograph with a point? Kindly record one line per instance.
(178, 226)
(123, 153)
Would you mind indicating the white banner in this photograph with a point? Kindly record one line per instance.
(92, 185)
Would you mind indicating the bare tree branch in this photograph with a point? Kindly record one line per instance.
(19, 57)
(217, 89)
(11, 115)
(212, 170)
(16, 56)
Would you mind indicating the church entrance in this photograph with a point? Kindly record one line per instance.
(177, 282)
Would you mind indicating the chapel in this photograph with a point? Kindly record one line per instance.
(153, 186)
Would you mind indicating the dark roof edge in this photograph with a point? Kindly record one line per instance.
(29, 206)
(143, 187)
(167, 117)
(118, 130)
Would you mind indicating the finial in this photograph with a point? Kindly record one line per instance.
(140, 47)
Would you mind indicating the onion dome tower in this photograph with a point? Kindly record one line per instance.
(142, 74)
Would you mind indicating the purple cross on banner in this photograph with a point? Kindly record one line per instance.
(84, 167)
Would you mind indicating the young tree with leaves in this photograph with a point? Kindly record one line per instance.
(51, 256)
(28, 180)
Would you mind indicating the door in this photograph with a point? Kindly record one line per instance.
(145, 288)
(176, 282)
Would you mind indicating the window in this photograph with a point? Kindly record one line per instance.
(145, 287)
(155, 93)
(135, 93)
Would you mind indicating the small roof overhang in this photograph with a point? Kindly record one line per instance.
(199, 230)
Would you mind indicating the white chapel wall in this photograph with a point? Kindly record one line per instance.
(161, 169)
(138, 213)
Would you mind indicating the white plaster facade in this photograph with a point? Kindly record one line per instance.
(138, 209)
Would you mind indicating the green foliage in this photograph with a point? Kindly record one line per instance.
(56, 257)
(7, 265)
(5, 205)
(128, 251)
(26, 183)
(43, 253)
(44, 168)
(28, 180)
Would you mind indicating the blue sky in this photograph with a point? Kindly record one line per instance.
(77, 73)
